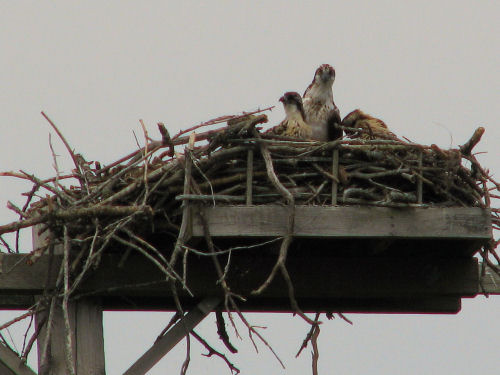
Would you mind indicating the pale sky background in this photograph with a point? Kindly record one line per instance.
(429, 69)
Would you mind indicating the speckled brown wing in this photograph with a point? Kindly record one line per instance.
(290, 128)
(298, 129)
(279, 129)
(375, 129)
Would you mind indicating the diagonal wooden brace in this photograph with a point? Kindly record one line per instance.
(11, 364)
(180, 330)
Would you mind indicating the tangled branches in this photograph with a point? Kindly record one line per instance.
(157, 190)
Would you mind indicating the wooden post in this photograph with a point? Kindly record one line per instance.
(88, 340)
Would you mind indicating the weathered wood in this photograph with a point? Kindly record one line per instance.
(490, 282)
(321, 282)
(173, 336)
(11, 364)
(5, 370)
(347, 222)
(88, 340)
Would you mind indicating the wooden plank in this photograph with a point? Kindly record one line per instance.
(173, 336)
(88, 340)
(348, 222)
(11, 364)
(490, 282)
(318, 279)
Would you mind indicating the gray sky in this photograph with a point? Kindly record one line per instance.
(429, 69)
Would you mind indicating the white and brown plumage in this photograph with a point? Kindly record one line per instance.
(294, 124)
(320, 110)
(371, 127)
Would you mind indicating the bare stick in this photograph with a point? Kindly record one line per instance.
(70, 150)
(219, 120)
(335, 173)
(315, 351)
(186, 213)
(249, 177)
(419, 179)
(467, 147)
(75, 214)
(211, 351)
(221, 330)
(309, 334)
(70, 365)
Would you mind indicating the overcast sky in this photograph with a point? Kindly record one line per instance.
(429, 69)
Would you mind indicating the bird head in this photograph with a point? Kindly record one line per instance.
(292, 102)
(325, 74)
(351, 118)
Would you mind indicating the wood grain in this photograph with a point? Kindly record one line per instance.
(345, 222)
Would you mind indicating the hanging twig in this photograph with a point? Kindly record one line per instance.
(211, 351)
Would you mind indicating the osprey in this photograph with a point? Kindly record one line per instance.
(371, 127)
(294, 124)
(320, 110)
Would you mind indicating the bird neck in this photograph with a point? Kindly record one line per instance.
(322, 91)
(294, 113)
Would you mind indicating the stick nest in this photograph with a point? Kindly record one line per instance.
(147, 191)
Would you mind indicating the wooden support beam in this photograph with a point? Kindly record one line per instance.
(347, 222)
(11, 364)
(87, 339)
(173, 336)
(322, 282)
(490, 282)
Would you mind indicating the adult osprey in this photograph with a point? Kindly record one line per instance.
(371, 127)
(294, 124)
(321, 112)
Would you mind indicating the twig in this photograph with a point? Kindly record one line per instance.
(467, 147)
(70, 365)
(76, 214)
(211, 351)
(80, 176)
(221, 330)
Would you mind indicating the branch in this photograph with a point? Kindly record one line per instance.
(467, 147)
(211, 351)
(76, 214)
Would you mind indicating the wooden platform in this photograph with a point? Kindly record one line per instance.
(350, 259)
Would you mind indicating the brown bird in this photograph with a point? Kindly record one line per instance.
(294, 124)
(371, 127)
(320, 110)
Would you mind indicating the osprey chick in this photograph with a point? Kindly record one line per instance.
(320, 110)
(372, 128)
(294, 124)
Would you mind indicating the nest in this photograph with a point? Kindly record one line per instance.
(148, 190)
(236, 164)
